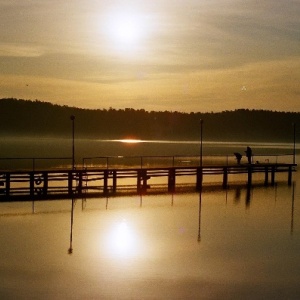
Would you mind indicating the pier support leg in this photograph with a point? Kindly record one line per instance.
(142, 181)
(225, 177)
(199, 180)
(171, 181)
(79, 187)
(266, 176)
(290, 176)
(249, 176)
(138, 181)
(114, 181)
(31, 184)
(70, 184)
(273, 176)
(105, 181)
(7, 185)
(45, 187)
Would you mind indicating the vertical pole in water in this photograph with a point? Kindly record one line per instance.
(70, 251)
(292, 215)
(201, 140)
(200, 180)
(73, 141)
(201, 154)
(199, 216)
(294, 150)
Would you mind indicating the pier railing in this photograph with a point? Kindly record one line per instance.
(108, 162)
(176, 161)
(107, 175)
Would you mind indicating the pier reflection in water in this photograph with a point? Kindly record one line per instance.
(236, 243)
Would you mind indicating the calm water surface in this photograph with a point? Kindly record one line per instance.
(149, 248)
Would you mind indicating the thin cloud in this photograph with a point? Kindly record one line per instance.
(11, 50)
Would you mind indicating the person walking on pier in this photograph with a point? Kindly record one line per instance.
(249, 154)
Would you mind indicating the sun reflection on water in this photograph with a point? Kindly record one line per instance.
(122, 241)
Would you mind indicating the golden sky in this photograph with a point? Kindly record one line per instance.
(177, 55)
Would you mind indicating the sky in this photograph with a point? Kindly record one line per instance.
(175, 55)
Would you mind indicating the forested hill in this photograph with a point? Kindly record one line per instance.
(36, 118)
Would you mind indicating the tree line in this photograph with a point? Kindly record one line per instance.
(37, 118)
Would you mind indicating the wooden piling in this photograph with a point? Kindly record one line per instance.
(290, 176)
(105, 181)
(114, 188)
(225, 177)
(7, 184)
(266, 176)
(45, 186)
(31, 184)
(171, 180)
(70, 183)
(79, 186)
(273, 175)
(249, 183)
(199, 178)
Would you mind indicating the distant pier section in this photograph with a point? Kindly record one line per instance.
(93, 181)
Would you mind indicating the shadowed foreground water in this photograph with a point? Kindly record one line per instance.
(148, 248)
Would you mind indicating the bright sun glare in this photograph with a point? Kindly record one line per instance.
(122, 241)
(125, 29)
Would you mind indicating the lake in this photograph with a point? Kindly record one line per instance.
(222, 244)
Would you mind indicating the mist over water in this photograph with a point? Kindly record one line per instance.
(28, 147)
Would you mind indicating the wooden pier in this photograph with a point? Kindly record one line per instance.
(93, 182)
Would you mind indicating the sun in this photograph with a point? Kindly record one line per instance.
(125, 30)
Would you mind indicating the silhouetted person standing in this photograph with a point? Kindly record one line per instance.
(249, 154)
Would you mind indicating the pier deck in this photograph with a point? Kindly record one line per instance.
(92, 182)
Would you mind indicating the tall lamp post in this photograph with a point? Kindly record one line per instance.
(201, 180)
(70, 250)
(201, 141)
(73, 141)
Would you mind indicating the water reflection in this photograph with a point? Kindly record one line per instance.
(70, 250)
(293, 208)
(121, 241)
(248, 196)
(199, 216)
